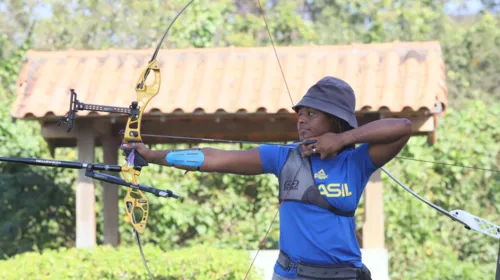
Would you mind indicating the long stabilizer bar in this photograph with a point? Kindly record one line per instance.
(89, 172)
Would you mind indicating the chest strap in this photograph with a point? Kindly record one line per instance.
(297, 181)
(313, 196)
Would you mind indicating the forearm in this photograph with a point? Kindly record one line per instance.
(245, 162)
(158, 157)
(383, 131)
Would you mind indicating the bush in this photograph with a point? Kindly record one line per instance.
(105, 262)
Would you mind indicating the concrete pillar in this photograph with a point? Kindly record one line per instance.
(373, 227)
(85, 193)
(110, 146)
(375, 255)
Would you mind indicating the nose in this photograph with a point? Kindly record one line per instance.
(301, 119)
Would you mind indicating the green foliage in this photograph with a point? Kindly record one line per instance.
(423, 243)
(472, 57)
(131, 24)
(286, 25)
(37, 203)
(10, 63)
(361, 21)
(88, 24)
(105, 262)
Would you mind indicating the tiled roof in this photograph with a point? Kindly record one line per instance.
(394, 76)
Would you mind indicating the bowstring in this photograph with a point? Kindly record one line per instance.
(262, 243)
(138, 237)
(229, 141)
(158, 46)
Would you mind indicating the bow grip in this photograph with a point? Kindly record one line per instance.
(138, 159)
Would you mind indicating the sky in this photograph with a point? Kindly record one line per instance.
(471, 7)
(452, 7)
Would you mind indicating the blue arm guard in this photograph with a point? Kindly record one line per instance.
(193, 158)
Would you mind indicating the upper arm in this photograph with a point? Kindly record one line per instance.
(244, 162)
(260, 160)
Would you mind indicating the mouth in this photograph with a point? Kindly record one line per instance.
(302, 131)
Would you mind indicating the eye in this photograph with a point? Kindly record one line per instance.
(306, 112)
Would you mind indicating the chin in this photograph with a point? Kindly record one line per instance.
(305, 135)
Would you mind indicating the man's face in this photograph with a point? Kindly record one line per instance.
(312, 123)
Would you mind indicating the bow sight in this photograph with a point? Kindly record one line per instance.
(75, 105)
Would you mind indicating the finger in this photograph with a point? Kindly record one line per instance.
(306, 153)
(305, 148)
(308, 149)
(309, 141)
(128, 145)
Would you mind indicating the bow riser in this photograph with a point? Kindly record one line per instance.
(145, 92)
(135, 200)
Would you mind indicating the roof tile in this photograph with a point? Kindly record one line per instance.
(396, 76)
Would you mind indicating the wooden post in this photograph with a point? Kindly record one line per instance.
(373, 227)
(85, 193)
(110, 147)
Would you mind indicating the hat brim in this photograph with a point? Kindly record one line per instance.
(331, 109)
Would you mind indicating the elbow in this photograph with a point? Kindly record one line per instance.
(406, 127)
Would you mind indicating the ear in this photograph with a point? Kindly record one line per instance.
(336, 126)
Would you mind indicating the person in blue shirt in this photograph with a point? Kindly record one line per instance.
(321, 179)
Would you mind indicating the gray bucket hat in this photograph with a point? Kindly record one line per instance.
(332, 96)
